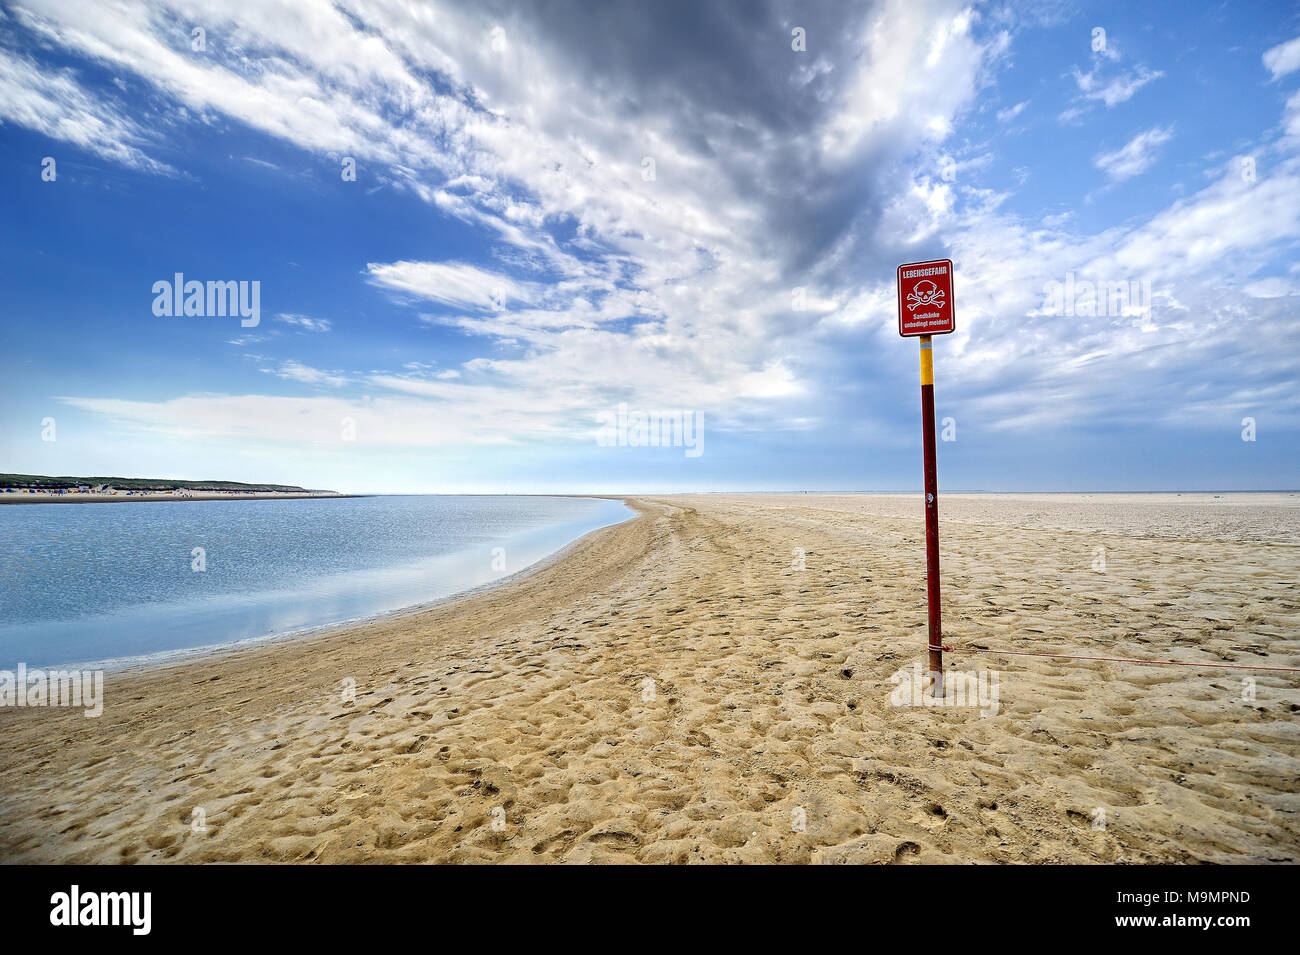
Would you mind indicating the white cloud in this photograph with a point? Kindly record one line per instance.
(52, 103)
(1211, 333)
(1116, 90)
(1011, 112)
(296, 371)
(1291, 117)
(676, 291)
(297, 420)
(455, 284)
(1134, 157)
(1273, 287)
(305, 322)
(1283, 58)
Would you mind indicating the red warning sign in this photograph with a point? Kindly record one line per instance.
(925, 305)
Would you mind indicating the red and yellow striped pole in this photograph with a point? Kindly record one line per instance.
(931, 514)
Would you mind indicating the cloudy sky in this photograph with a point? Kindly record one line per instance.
(479, 228)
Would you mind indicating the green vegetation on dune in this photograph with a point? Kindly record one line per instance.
(45, 482)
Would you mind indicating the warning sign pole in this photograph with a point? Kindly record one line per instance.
(926, 308)
(931, 513)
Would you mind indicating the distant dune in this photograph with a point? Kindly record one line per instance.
(42, 489)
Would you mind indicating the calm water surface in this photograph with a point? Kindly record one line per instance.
(93, 582)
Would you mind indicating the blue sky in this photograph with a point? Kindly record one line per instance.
(504, 271)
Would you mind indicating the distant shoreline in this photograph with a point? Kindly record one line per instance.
(54, 497)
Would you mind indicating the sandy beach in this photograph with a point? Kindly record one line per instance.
(711, 682)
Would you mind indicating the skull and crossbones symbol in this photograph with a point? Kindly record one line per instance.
(925, 292)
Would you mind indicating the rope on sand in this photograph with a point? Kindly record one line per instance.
(1072, 656)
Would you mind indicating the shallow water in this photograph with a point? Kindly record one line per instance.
(91, 582)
